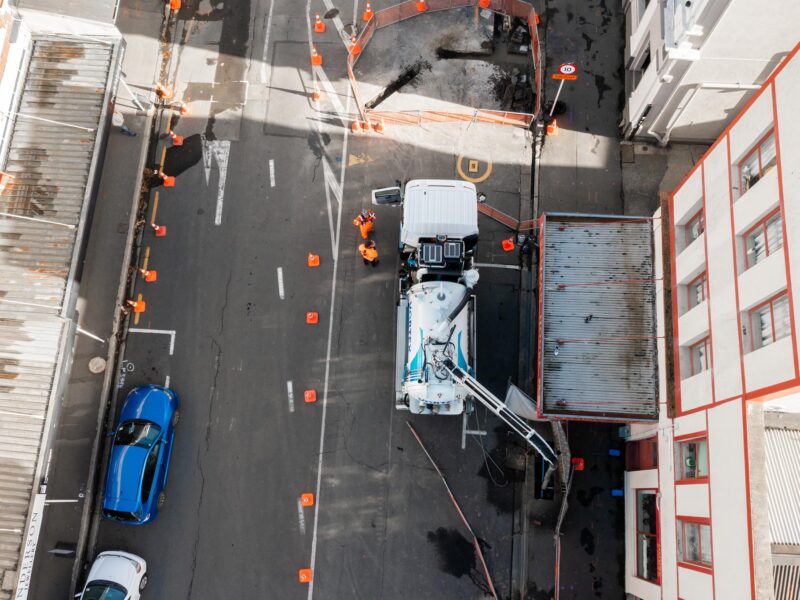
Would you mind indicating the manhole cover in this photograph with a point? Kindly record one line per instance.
(97, 364)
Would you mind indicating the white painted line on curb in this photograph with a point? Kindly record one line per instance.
(301, 518)
(169, 332)
(271, 173)
(290, 395)
(497, 266)
(280, 283)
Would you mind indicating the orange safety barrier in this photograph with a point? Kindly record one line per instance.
(412, 8)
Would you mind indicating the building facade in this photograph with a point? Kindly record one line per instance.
(713, 490)
(690, 66)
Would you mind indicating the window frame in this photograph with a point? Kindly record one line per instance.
(680, 542)
(655, 536)
(762, 224)
(680, 477)
(698, 216)
(704, 277)
(706, 341)
(757, 308)
(755, 149)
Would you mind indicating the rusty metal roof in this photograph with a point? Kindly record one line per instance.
(41, 228)
(597, 345)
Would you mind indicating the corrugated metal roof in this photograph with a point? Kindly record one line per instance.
(51, 164)
(782, 449)
(597, 332)
(786, 581)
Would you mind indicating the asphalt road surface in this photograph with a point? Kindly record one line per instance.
(264, 179)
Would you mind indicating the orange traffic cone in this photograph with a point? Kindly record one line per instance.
(304, 575)
(313, 260)
(307, 499)
(169, 180)
(378, 126)
(177, 140)
(312, 318)
(319, 26)
(310, 396)
(175, 5)
(138, 306)
(422, 6)
(508, 244)
(552, 127)
(536, 17)
(484, 3)
(355, 47)
(161, 230)
(316, 57)
(355, 127)
(368, 14)
(149, 275)
(316, 95)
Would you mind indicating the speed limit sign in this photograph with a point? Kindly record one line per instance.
(567, 71)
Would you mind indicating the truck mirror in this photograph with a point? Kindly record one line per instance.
(391, 196)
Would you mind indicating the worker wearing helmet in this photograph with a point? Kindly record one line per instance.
(364, 221)
(369, 253)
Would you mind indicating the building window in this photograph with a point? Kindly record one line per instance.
(694, 542)
(764, 239)
(641, 455)
(695, 227)
(647, 535)
(758, 162)
(691, 459)
(698, 290)
(699, 355)
(769, 322)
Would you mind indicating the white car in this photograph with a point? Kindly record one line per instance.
(115, 575)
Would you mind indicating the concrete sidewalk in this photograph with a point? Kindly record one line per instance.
(73, 436)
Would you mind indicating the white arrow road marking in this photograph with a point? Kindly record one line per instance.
(219, 151)
(280, 283)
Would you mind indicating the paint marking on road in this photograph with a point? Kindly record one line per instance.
(337, 22)
(146, 260)
(137, 315)
(331, 94)
(290, 395)
(217, 151)
(281, 291)
(169, 332)
(330, 179)
(497, 266)
(271, 173)
(166, 382)
(163, 157)
(301, 518)
(264, 62)
(155, 209)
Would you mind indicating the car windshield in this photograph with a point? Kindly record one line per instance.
(137, 433)
(104, 590)
(120, 515)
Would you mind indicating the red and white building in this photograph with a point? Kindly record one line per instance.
(713, 489)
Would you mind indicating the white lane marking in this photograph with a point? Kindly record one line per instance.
(280, 283)
(330, 179)
(337, 22)
(264, 62)
(290, 395)
(331, 94)
(217, 151)
(334, 241)
(327, 359)
(497, 266)
(301, 518)
(166, 382)
(271, 173)
(169, 332)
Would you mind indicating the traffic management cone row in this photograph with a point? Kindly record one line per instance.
(316, 57)
(177, 140)
(355, 46)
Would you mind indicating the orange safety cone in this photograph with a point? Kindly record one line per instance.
(536, 17)
(319, 26)
(161, 230)
(177, 140)
(312, 318)
(304, 575)
(368, 14)
(552, 127)
(307, 499)
(149, 275)
(366, 126)
(355, 47)
(138, 306)
(163, 92)
(169, 180)
(310, 396)
(183, 108)
(578, 463)
(175, 5)
(316, 95)
(378, 126)
(313, 260)
(422, 6)
(484, 3)
(508, 244)
(316, 57)
(355, 127)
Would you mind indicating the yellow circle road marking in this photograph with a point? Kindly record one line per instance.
(466, 177)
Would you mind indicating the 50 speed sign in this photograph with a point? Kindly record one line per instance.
(567, 71)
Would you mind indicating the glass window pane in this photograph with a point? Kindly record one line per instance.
(692, 542)
(756, 248)
(780, 312)
(774, 233)
(700, 357)
(702, 458)
(697, 292)
(767, 155)
(762, 327)
(646, 511)
(705, 544)
(749, 171)
(646, 557)
(694, 228)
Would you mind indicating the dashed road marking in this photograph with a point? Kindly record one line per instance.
(301, 518)
(166, 382)
(281, 291)
(271, 173)
(290, 395)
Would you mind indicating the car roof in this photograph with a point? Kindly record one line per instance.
(124, 481)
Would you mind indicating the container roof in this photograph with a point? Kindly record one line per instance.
(597, 333)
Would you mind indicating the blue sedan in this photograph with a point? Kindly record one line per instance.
(137, 469)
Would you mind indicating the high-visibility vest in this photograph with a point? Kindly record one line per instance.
(369, 254)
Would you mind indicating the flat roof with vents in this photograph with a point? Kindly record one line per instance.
(597, 327)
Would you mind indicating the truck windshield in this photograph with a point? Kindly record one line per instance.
(104, 590)
(137, 433)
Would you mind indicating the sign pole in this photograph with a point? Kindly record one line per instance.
(558, 93)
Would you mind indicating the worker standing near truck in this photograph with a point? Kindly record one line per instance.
(364, 221)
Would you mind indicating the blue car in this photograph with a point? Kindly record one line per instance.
(137, 468)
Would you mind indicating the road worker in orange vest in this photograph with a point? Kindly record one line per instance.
(369, 253)
(364, 221)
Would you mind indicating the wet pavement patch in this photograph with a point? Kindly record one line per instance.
(587, 540)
